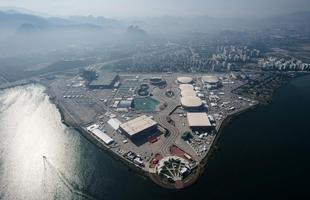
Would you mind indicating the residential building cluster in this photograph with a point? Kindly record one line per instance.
(283, 64)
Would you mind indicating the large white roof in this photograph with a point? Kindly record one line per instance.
(185, 80)
(114, 123)
(103, 136)
(198, 120)
(186, 87)
(188, 93)
(191, 101)
(210, 79)
(137, 125)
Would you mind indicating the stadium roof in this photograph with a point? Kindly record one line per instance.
(137, 125)
(198, 120)
(191, 101)
(125, 104)
(103, 78)
(186, 87)
(188, 93)
(210, 79)
(185, 80)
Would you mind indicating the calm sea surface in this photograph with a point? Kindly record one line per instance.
(263, 154)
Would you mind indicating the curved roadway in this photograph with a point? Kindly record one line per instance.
(161, 118)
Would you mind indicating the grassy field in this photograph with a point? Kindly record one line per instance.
(146, 104)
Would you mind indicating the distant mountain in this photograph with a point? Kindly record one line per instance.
(136, 33)
(99, 21)
(22, 11)
(168, 25)
(21, 22)
(136, 30)
(14, 20)
(153, 26)
(29, 28)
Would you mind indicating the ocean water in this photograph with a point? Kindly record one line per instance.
(263, 154)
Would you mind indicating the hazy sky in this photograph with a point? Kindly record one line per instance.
(134, 8)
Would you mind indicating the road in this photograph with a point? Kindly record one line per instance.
(174, 132)
(161, 118)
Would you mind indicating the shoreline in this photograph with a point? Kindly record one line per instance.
(96, 142)
(198, 172)
(189, 181)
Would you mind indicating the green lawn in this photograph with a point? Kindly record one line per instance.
(146, 104)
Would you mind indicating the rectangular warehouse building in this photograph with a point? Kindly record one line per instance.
(198, 121)
(139, 127)
(114, 123)
(104, 80)
(101, 135)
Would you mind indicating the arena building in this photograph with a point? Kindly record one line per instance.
(188, 93)
(139, 127)
(191, 102)
(186, 87)
(198, 121)
(104, 80)
(185, 80)
(157, 81)
(211, 82)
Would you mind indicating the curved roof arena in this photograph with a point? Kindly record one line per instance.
(210, 79)
(185, 80)
(186, 87)
(191, 102)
